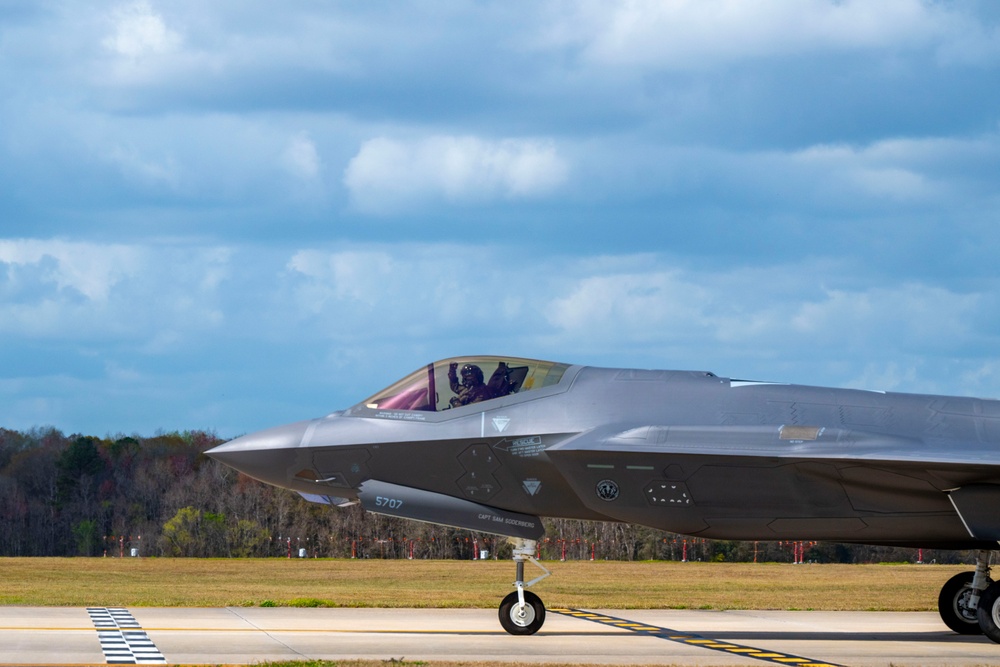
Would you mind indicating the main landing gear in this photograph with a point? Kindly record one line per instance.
(969, 602)
(522, 612)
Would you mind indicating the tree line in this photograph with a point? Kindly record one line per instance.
(79, 495)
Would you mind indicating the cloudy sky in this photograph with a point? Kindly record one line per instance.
(229, 215)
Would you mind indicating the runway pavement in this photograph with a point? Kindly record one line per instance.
(237, 635)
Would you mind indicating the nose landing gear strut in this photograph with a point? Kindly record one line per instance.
(522, 612)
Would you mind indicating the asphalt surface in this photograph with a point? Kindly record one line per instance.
(75, 636)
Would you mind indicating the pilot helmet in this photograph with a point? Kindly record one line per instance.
(471, 375)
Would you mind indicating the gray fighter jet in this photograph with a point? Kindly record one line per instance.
(493, 443)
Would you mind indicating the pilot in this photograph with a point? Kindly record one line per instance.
(472, 389)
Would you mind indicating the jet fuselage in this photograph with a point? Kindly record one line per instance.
(681, 451)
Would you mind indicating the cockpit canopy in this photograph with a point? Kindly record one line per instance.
(461, 381)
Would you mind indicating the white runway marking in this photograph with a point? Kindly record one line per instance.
(122, 640)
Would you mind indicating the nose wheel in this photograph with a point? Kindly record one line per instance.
(522, 619)
(522, 612)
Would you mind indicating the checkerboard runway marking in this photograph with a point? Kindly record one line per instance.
(123, 641)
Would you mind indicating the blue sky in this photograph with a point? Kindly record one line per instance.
(230, 215)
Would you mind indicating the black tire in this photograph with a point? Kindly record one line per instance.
(953, 605)
(989, 612)
(526, 623)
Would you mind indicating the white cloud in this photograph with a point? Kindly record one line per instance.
(138, 31)
(921, 170)
(70, 290)
(970, 43)
(358, 276)
(300, 157)
(383, 291)
(655, 305)
(982, 379)
(889, 377)
(911, 315)
(695, 34)
(135, 166)
(90, 269)
(900, 184)
(387, 174)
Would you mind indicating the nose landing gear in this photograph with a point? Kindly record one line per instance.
(522, 612)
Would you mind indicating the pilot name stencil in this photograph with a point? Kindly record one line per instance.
(506, 520)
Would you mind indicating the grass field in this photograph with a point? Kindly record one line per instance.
(179, 582)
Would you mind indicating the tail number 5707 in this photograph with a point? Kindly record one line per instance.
(389, 503)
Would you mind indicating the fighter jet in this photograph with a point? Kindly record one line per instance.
(492, 444)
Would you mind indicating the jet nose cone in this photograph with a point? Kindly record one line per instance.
(264, 455)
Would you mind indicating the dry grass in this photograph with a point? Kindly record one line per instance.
(176, 582)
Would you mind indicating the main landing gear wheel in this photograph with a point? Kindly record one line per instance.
(989, 612)
(518, 620)
(956, 606)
